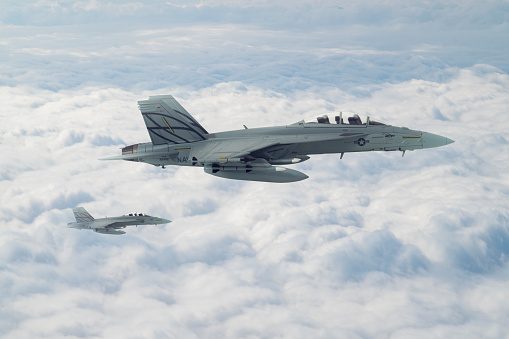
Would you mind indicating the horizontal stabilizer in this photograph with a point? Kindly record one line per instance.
(137, 155)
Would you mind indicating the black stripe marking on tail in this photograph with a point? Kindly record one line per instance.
(190, 129)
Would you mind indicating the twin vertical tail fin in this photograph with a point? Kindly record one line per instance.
(82, 215)
(168, 122)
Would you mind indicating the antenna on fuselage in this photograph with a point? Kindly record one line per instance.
(339, 118)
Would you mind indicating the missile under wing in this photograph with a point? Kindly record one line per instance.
(256, 154)
(113, 225)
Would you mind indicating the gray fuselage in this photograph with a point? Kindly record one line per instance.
(253, 154)
(117, 222)
(295, 141)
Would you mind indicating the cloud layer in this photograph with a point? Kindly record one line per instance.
(373, 245)
(282, 46)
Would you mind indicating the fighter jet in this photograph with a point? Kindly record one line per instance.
(252, 154)
(111, 225)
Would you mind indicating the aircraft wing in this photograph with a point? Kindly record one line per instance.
(226, 150)
(137, 155)
(116, 225)
(224, 160)
(105, 223)
(235, 148)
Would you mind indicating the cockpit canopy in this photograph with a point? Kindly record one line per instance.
(343, 118)
(136, 215)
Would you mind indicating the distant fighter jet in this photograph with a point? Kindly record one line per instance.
(250, 154)
(111, 225)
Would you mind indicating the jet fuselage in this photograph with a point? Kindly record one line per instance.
(300, 140)
(251, 154)
(119, 221)
(111, 225)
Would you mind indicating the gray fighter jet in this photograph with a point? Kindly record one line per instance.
(111, 225)
(250, 154)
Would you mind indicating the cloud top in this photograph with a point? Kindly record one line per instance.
(373, 245)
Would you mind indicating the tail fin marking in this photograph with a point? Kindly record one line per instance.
(168, 122)
(82, 215)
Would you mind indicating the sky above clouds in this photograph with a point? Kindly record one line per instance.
(373, 245)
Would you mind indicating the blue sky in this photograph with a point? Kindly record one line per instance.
(373, 245)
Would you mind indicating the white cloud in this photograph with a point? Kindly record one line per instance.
(262, 45)
(373, 245)
(296, 260)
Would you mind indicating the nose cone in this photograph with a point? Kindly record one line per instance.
(430, 140)
(165, 221)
